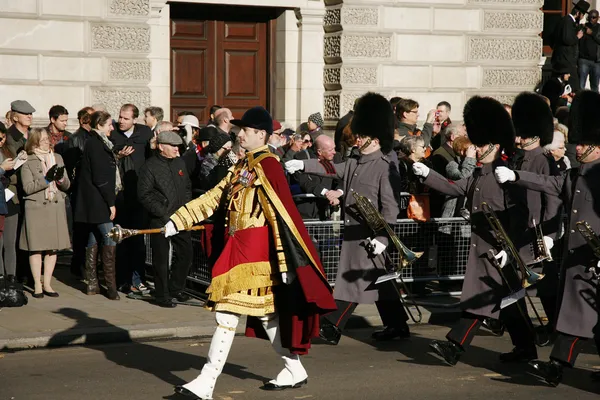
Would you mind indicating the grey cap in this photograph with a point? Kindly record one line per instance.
(22, 107)
(169, 137)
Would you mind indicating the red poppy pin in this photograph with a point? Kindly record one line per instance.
(65, 138)
(180, 173)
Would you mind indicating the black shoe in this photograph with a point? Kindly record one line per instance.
(182, 297)
(495, 326)
(595, 376)
(50, 294)
(272, 387)
(519, 354)
(164, 303)
(390, 333)
(330, 333)
(550, 371)
(38, 295)
(179, 389)
(449, 351)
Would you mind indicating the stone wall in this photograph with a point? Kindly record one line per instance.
(76, 53)
(430, 50)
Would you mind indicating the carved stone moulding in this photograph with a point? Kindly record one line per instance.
(513, 21)
(114, 98)
(120, 38)
(332, 21)
(504, 98)
(360, 16)
(337, 77)
(536, 3)
(504, 49)
(129, 7)
(331, 106)
(129, 70)
(501, 77)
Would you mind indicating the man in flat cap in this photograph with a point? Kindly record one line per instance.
(267, 268)
(22, 116)
(565, 39)
(164, 186)
(315, 125)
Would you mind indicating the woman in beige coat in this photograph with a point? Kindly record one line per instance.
(44, 229)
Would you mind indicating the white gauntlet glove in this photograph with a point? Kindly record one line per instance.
(375, 246)
(294, 165)
(420, 169)
(504, 174)
(502, 257)
(170, 229)
(548, 242)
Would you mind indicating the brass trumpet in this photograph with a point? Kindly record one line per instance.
(528, 277)
(377, 223)
(118, 234)
(593, 241)
(541, 251)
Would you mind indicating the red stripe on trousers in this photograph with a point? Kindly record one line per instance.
(571, 350)
(468, 331)
(344, 313)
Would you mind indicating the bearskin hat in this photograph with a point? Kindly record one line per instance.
(487, 121)
(374, 117)
(532, 117)
(552, 90)
(584, 124)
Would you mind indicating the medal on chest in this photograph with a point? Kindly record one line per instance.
(245, 178)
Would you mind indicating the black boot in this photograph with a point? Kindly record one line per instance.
(10, 279)
(449, 351)
(330, 333)
(595, 376)
(108, 260)
(91, 273)
(494, 325)
(519, 354)
(550, 371)
(390, 333)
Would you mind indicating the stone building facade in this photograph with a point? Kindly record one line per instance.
(326, 52)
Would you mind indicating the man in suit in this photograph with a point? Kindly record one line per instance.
(132, 144)
(566, 41)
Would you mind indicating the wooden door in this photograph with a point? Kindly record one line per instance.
(220, 62)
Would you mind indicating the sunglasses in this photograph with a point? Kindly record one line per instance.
(2, 139)
(308, 141)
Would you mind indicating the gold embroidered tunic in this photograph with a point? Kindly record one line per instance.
(246, 270)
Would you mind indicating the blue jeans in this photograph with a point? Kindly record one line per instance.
(98, 235)
(591, 68)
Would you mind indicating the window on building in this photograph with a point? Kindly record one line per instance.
(553, 11)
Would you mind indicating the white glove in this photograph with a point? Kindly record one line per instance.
(502, 257)
(288, 277)
(294, 165)
(375, 246)
(548, 242)
(170, 229)
(420, 169)
(504, 174)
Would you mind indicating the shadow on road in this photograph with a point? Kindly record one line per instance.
(160, 362)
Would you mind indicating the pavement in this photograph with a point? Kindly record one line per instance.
(356, 369)
(75, 318)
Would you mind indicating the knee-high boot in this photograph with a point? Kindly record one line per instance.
(108, 260)
(293, 374)
(91, 274)
(204, 385)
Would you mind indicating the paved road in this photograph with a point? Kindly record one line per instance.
(357, 369)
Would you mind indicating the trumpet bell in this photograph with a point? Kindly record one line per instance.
(531, 279)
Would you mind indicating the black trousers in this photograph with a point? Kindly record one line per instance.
(567, 348)
(392, 313)
(165, 286)
(520, 333)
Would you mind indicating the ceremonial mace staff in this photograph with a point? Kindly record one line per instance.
(118, 234)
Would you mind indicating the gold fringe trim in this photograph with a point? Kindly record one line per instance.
(244, 304)
(240, 278)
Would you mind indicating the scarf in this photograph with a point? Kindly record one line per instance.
(110, 145)
(48, 160)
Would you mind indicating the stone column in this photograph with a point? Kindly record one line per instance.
(430, 50)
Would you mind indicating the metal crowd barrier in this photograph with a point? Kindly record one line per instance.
(444, 241)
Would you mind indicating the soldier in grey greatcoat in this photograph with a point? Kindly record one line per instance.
(578, 313)
(534, 125)
(362, 260)
(490, 129)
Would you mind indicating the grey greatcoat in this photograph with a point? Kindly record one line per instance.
(483, 287)
(580, 192)
(44, 222)
(369, 176)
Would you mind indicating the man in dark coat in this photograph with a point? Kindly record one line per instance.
(132, 144)
(534, 126)
(578, 317)
(490, 129)
(22, 115)
(362, 260)
(164, 186)
(566, 41)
